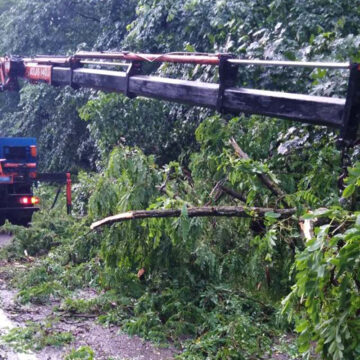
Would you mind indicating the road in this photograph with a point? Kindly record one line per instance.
(6, 324)
(5, 239)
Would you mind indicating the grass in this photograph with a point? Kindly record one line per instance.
(36, 336)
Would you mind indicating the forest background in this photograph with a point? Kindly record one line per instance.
(229, 286)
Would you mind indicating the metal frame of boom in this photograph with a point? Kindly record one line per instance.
(337, 113)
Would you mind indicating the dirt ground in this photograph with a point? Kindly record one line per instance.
(106, 342)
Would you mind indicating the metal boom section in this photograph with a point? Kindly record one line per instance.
(78, 71)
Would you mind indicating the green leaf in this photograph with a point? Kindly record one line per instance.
(349, 190)
(313, 245)
(308, 216)
(321, 212)
(184, 211)
(189, 48)
(272, 215)
(303, 325)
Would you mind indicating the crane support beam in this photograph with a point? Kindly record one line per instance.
(122, 72)
(305, 108)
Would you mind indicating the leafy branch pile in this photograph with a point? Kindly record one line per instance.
(328, 282)
(218, 280)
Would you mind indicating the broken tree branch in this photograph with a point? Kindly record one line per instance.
(233, 193)
(239, 152)
(307, 229)
(220, 188)
(216, 193)
(226, 211)
(264, 178)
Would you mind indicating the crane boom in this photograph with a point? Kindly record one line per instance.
(104, 71)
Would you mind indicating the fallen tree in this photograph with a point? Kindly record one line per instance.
(226, 211)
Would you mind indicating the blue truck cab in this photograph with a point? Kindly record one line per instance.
(18, 166)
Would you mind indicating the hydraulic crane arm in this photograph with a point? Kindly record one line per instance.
(122, 72)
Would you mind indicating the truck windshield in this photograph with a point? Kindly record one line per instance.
(15, 153)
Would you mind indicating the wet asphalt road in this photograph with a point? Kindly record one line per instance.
(6, 323)
(5, 239)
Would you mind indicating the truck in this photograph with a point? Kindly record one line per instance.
(18, 167)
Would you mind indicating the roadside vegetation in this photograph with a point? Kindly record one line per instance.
(216, 288)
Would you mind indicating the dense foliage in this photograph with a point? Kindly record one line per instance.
(219, 282)
(327, 282)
